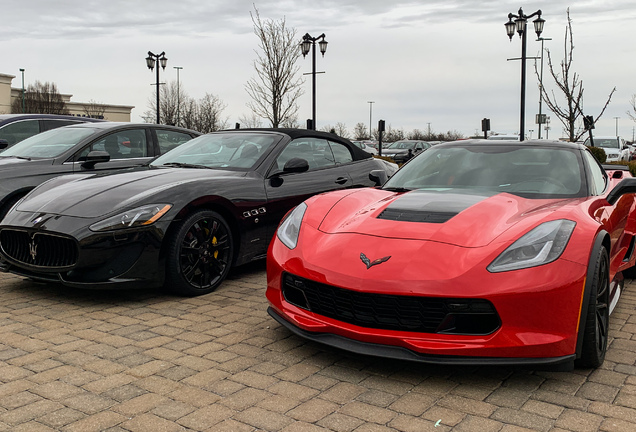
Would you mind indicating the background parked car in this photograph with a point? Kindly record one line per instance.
(366, 146)
(85, 147)
(403, 150)
(16, 127)
(615, 147)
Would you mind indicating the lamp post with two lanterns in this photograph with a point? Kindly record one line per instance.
(305, 46)
(519, 25)
(150, 62)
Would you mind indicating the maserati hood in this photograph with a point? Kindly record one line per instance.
(93, 196)
(456, 218)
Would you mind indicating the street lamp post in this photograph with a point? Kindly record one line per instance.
(150, 62)
(519, 24)
(305, 46)
(616, 118)
(541, 85)
(23, 105)
(178, 68)
(370, 118)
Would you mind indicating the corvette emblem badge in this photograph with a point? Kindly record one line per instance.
(370, 263)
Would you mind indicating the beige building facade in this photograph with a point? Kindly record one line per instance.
(119, 113)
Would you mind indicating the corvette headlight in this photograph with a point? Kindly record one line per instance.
(542, 245)
(139, 216)
(289, 229)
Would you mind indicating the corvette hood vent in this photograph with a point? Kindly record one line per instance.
(416, 216)
(428, 208)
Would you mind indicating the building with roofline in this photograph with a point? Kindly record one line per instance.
(118, 113)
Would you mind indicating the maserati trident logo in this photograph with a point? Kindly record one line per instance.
(33, 249)
(370, 263)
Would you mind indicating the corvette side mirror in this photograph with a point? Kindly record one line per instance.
(3, 144)
(626, 186)
(95, 157)
(378, 176)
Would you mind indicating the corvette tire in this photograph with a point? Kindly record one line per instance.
(200, 254)
(597, 323)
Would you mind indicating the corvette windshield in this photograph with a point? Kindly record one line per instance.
(48, 144)
(219, 150)
(532, 172)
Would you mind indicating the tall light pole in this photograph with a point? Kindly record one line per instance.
(519, 24)
(178, 68)
(305, 46)
(616, 118)
(370, 118)
(150, 62)
(23, 106)
(541, 85)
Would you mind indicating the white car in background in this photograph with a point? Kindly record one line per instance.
(615, 147)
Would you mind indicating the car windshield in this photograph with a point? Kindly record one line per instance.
(401, 145)
(219, 150)
(531, 172)
(48, 144)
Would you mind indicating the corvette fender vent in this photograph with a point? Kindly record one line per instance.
(392, 312)
(416, 215)
(37, 249)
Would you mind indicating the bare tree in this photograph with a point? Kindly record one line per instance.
(360, 132)
(172, 101)
(177, 108)
(339, 129)
(250, 121)
(211, 108)
(275, 89)
(389, 135)
(41, 98)
(95, 110)
(571, 86)
(632, 108)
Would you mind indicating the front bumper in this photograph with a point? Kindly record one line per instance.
(105, 260)
(539, 308)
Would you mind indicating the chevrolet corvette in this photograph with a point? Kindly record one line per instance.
(475, 252)
(196, 211)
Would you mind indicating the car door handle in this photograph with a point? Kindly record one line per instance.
(341, 180)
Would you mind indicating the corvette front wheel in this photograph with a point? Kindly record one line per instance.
(597, 323)
(199, 254)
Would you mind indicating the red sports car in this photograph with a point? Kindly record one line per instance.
(475, 252)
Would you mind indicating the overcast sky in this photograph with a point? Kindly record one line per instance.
(430, 63)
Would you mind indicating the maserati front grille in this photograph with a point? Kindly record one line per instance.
(38, 249)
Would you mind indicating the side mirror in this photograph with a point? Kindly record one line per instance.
(95, 157)
(296, 165)
(3, 144)
(626, 186)
(378, 176)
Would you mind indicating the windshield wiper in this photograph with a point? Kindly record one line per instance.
(397, 189)
(183, 165)
(17, 157)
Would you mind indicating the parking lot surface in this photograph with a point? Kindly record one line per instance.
(117, 361)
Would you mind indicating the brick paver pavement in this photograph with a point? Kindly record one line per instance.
(145, 361)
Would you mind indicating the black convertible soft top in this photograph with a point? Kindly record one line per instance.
(358, 153)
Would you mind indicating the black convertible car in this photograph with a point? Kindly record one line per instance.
(211, 203)
(82, 148)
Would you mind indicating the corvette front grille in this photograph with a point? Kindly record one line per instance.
(392, 312)
(37, 249)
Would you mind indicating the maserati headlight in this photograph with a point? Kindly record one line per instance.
(139, 216)
(542, 245)
(289, 229)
